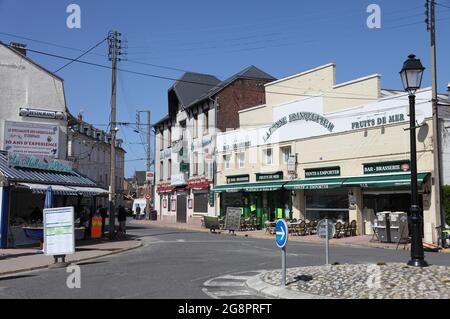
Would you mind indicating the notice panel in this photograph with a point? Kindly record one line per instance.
(59, 231)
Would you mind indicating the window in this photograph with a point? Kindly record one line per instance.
(227, 161)
(161, 171)
(169, 138)
(268, 156)
(169, 175)
(201, 203)
(161, 140)
(286, 152)
(195, 172)
(183, 130)
(206, 126)
(195, 126)
(241, 160)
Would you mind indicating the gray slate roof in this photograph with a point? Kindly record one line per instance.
(192, 85)
(39, 176)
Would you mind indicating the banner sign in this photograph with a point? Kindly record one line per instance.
(387, 167)
(59, 231)
(40, 163)
(238, 179)
(323, 172)
(32, 139)
(269, 177)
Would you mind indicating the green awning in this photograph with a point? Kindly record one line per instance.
(249, 187)
(371, 181)
(384, 180)
(328, 183)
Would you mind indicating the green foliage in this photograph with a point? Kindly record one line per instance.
(446, 195)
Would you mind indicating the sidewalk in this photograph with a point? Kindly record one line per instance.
(20, 260)
(358, 241)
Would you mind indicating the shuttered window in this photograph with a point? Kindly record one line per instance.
(201, 203)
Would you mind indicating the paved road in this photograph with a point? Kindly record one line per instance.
(176, 264)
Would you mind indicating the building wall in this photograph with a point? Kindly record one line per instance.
(91, 157)
(25, 85)
(240, 95)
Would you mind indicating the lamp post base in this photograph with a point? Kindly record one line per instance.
(420, 263)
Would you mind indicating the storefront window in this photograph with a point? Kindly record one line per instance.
(331, 204)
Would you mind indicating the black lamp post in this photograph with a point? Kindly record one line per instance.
(412, 74)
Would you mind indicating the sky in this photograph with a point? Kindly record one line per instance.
(166, 38)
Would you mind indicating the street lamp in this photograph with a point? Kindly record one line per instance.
(412, 74)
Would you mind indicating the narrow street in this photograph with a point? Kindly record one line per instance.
(175, 264)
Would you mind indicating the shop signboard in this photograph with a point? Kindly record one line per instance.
(233, 219)
(42, 114)
(40, 163)
(59, 231)
(184, 167)
(238, 179)
(387, 167)
(323, 172)
(32, 139)
(269, 177)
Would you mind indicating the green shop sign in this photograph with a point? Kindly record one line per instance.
(387, 167)
(323, 172)
(238, 179)
(269, 177)
(40, 163)
(184, 167)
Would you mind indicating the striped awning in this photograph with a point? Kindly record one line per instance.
(65, 190)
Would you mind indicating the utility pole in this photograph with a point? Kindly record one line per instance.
(114, 53)
(149, 159)
(431, 27)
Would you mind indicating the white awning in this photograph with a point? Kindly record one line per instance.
(66, 190)
(57, 189)
(90, 191)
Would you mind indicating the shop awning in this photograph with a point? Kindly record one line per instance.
(369, 181)
(329, 183)
(57, 189)
(249, 188)
(377, 181)
(65, 190)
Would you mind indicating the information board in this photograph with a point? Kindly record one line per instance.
(59, 231)
(233, 220)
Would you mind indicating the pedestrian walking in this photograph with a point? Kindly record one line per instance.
(104, 214)
(122, 217)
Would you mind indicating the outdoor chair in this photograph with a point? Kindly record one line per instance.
(338, 227)
(345, 229)
(353, 228)
(301, 230)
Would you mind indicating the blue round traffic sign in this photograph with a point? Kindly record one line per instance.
(282, 233)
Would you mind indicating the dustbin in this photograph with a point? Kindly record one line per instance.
(384, 227)
(399, 227)
(154, 215)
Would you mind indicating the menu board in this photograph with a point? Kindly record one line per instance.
(59, 231)
(233, 220)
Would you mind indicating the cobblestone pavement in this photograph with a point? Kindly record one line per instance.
(231, 287)
(370, 281)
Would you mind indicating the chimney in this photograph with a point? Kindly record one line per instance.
(19, 47)
(448, 90)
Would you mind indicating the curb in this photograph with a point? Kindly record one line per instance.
(115, 252)
(275, 292)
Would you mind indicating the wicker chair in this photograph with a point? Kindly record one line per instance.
(338, 227)
(353, 228)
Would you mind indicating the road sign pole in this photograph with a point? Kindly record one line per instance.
(283, 266)
(327, 245)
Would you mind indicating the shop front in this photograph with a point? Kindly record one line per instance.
(23, 195)
(266, 200)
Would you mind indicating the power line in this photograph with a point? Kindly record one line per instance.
(79, 57)
(186, 81)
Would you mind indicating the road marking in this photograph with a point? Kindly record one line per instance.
(231, 286)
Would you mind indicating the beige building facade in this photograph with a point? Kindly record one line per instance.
(318, 150)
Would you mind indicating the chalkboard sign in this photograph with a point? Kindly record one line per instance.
(233, 220)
